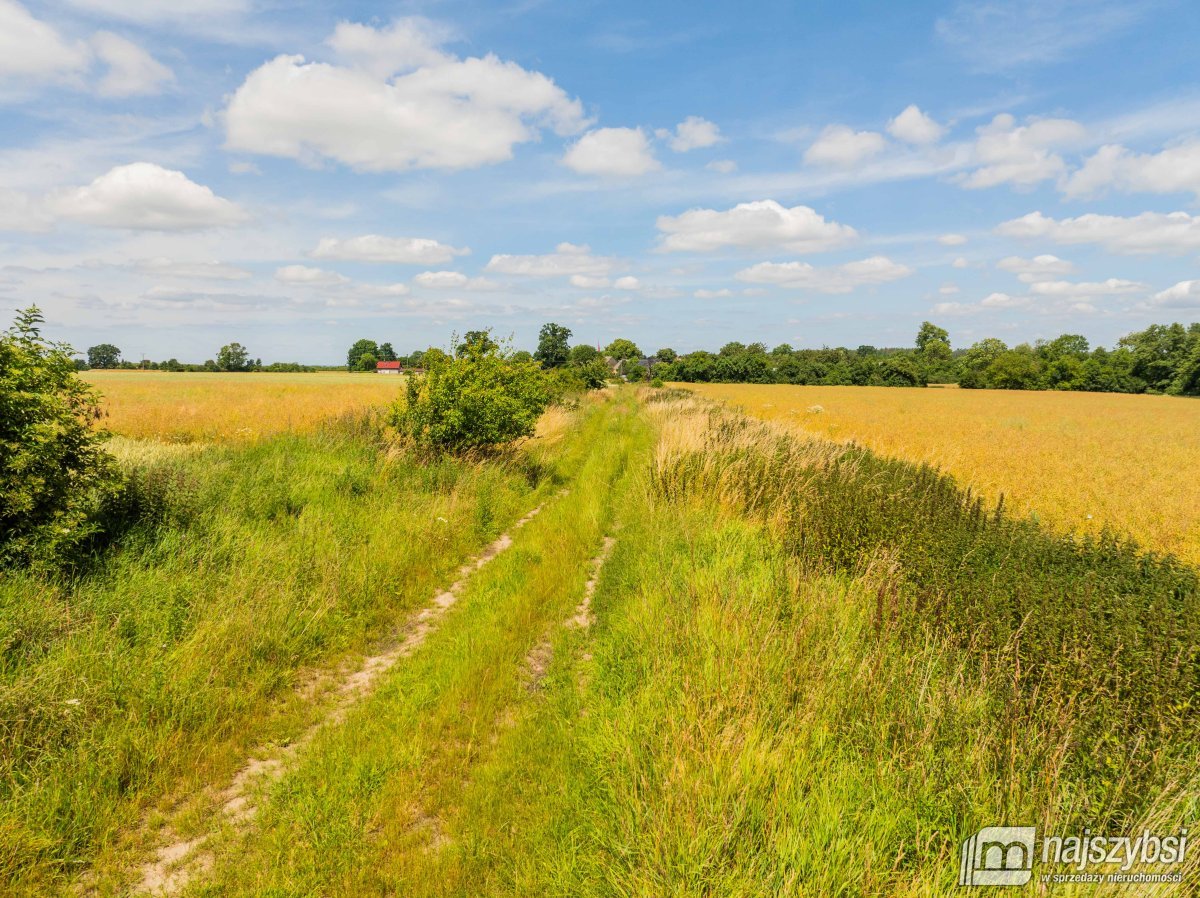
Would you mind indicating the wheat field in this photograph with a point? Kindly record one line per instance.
(193, 407)
(1078, 461)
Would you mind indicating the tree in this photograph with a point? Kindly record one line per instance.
(929, 332)
(104, 356)
(978, 358)
(54, 472)
(666, 355)
(553, 347)
(233, 357)
(583, 353)
(367, 362)
(621, 349)
(356, 353)
(479, 341)
(386, 353)
(478, 399)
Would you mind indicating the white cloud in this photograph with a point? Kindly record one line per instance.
(567, 259)
(1174, 170)
(713, 294)
(374, 248)
(835, 279)
(131, 70)
(952, 240)
(844, 147)
(1039, 268)
(213, 271)
(612, 151)
(589, 281)
(31, 48)
(914, 126)
(406, 44)
(724, 166)
(1021, 155)
(1149, 232)
(433, 111)
(144, 196)
(948, 289)
(1184, 295)
(764, 223)
(629, 282)
(304, 274)
(692, 133)
(452, 280)
(960, 262)
(1110, 287)
(1003, 301)
(953, 308)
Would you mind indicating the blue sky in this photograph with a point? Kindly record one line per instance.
(295, 176)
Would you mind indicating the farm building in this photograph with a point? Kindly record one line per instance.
(388, 367)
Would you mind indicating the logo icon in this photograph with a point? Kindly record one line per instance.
(998, 856)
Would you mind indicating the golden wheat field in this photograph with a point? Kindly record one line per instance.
(203, 407)
(1078, 461)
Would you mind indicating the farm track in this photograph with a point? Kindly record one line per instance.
(180, 860)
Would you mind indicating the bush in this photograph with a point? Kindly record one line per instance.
(54, 473)
(480, 399)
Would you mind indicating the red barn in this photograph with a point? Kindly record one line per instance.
(387, 367)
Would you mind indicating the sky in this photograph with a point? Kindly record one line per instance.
(297, 175)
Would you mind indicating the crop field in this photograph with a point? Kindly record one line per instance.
(202, 407)
(1078, 461)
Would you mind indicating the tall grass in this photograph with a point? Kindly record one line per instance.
(155, 669)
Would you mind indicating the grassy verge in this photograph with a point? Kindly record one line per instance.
(152, 673)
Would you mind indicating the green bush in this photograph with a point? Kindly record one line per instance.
(480, 399)
(54, 472)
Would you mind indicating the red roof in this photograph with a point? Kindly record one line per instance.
(387, 365)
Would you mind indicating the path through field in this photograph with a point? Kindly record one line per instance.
(387, 763)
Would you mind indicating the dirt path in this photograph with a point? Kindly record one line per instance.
(178, 861)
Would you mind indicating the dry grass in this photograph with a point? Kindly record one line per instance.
(1078, 461)
(201, 407)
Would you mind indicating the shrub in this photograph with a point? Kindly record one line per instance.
(54, 472)
(480, 399)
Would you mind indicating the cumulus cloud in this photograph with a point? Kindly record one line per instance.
(144, 196)
(1039, 268)
(1149, 232)
(952, 240)
(1003, 301)
(567, 259)
(131, 70)
(162, 266)
(1110, 287)
(953, 308)
(844, 147)
(960, 262)
(430, 110)
(834, 279)
(31, 48)
(914, 126)
(589, 281)
(1174, 170)
(1184, 295)
(764, 223)
(629, 282)
(306, 275)
(622, 152)
(1021, 155)
(724, 166)
(692, 133)
(452, 280)
(375, 248)
(713, 294)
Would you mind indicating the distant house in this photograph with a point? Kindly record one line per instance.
(388, 367)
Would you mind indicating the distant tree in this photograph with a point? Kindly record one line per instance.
(782, 350)
(929, 332)
(357, 350)
(553, 347)
(623, 349)
(866, 350)
(476, 341)
(732, 348)
(233, 357)
(666, 355)
(522, 355)
(386, 353)
(977, 360)
(105, 355)
(583, 353)
(367, 362)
